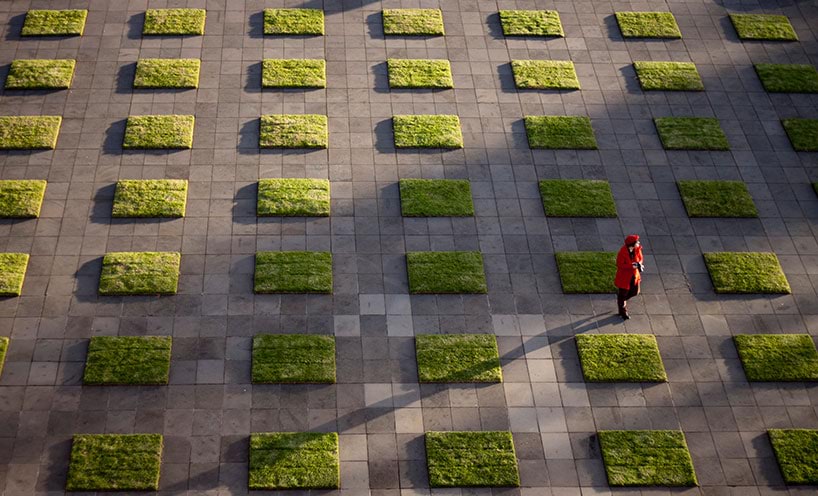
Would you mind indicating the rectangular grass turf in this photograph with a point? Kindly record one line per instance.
(293, 131)
(293, 198)
(170, 22)
(413, 22)
(54, 22)
(29, 132)
(303, 22)
(139, 273)
(531, 23)
(691, 133)
(545, 74)
(620, 358)
(777, 357)
(40, 74)
(763, 27)
(803, 134)
(4, 346)
(294, 460)
(461, 358)
(746, 273)
(796, 451)
(577, 198)
(12, 273)
(717, 199)
(150, 198)
(115, 462)
(436, 198)
(293, 272)
(128, 360)
(157, 132)
(648, 25)
(471, 459)
(293, 73)
(559, 132)
(419, 73)
(167, 73)
(668, 76)
(293, 359)
(439, 272)
(21, 198)
(427, 131)
(587, 272)
(647, 458)
(788, 78)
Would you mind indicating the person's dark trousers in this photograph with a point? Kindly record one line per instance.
(623, 295)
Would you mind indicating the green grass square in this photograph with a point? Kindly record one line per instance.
(803, 134)
(439, 272)
(293, 198)
(620, 358)
(531, 23)
(788, 78)
(796, 451)
(150, 198)
(139, 273)
(746, 273)
(691, 133)
(717, 199)
(12, 273)
(458, 358)
(419, 73)
(471, 459)
(293, 272)
(293, 358)
(294, 460)
(167, 73)
(777, 357)
(668, 76)
(29, 132)
(587, 272)
(294, 22)
(648, 25)
(763, 27)
(545, 74)
(294, 131)
(21, 198)
(436, 198)
(115, 462)
(577, 198)
(427, 131)
(557, 132)
(54, 22)
(40, 74)
(647, 458)
(4, 346)
(413, 22)
(156, 132)
(293, 73)
(163, 22)
(128, 360)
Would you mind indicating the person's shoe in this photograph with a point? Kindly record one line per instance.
(624, 315)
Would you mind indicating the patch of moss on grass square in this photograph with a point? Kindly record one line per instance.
(293, 358)
(545, 74)
(170, 22)
(778, 357)
(131, 360)
(438, 272)
(293, 198)
(294, 460)
(4, 346)
(436, 198)
(419, 73)
(167, 73)
(668, 76)
(413, 22)
(54, 22)
(427, 131)
(458, 358)
(647, 458)
(150, 198)
(301, 22)
(788, 78)
(293, 272)
(293, 73)
(763, 27)
(40, 74)
(691, 133)
(531, 23)
(557, 132)
(139, 273)
(12, 273)
(796, 451)
(294, 131)
(746, 273)
(620, 358)
(803, 134)
(577, 198)
(29, 132)
(471, 459)
(21, 198)
(648, 25)
(156, 132)
(717, 199)
(587, 272)
(115, 462)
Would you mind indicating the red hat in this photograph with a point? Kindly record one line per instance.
(633, 238)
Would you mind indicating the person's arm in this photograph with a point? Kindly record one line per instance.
(623, 261)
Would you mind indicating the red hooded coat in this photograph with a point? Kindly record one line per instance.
(625, 271)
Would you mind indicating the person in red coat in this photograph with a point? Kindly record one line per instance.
(628, 273)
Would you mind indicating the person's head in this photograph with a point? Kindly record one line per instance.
(632, 241)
